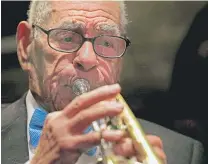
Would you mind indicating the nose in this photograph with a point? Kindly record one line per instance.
(86, 59)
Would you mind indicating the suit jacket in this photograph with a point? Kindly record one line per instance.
(178, 148)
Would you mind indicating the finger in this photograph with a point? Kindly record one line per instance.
(155, 141)
(124, 148)
(160, 153)
(46, 145)
(76, 142)
(100, 110)
(113, 135)
(50, 156)
(89, 140)
(87, 99)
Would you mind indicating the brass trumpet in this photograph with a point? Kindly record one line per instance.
(126, 121)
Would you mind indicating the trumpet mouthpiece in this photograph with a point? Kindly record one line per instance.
(80, 86)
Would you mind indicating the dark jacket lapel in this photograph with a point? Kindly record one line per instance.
(14, 133)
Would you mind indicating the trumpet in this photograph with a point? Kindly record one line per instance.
(125, 121)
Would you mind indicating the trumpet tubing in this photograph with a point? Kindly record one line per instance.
(135, 131)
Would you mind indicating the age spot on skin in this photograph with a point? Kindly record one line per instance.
(53, 10)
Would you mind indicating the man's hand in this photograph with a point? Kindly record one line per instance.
(62, 139)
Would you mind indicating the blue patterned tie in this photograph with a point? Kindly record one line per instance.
(36, 125)
(91, 151)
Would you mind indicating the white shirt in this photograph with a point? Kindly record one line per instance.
(31, 105)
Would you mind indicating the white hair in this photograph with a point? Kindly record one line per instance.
(40, 10)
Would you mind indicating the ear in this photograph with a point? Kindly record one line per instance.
(23, 39)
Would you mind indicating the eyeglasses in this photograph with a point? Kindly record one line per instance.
(64, 40)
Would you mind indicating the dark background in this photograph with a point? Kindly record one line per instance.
(165, 75)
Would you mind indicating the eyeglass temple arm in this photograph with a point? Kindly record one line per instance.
(45, 31)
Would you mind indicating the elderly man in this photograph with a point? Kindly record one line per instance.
(63, 42)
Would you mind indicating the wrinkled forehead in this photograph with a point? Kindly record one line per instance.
(80, 12)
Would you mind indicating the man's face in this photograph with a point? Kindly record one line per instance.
(55, 70)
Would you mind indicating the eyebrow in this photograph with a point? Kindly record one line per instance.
(113, 28)
(77, 27)
(80, 27)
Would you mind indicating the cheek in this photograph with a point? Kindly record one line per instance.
(119, 68)
(58, 88)
(42, 59)
(112, 69)
(51, 72)
(61, 95)
(58, 76)
(37, 69)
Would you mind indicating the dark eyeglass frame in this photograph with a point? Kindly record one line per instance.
(92, 40)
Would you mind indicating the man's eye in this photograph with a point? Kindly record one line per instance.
(106, 44)
(68, 39)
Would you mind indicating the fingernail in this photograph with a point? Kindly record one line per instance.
(115, 86)
(116, 104)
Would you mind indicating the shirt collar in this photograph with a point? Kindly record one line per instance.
(31, 105)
